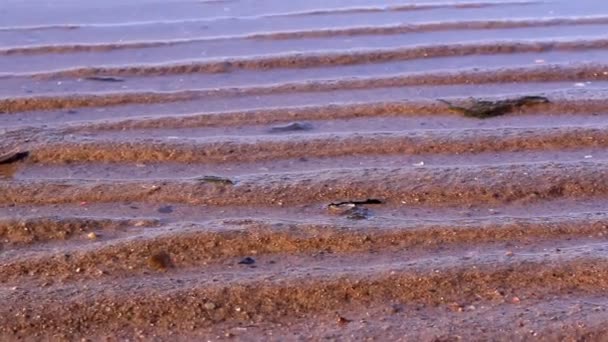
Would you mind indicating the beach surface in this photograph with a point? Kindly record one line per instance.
(428, 170)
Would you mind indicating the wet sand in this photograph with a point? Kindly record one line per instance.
(283, 170)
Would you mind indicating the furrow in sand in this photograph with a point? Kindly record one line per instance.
(283, 289)
(366, 110)
(426, 27)
(295, 34)
(420, 100)
(252, 149)
(411, 7)
(175, 171)
(263, 13)
(552, 318)
(252, 49)
(43, 229)
(24, 86)
(496, 185)
(509, 75)
(313, 59)
(194, 245)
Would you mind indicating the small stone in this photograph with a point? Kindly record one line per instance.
(160, 261)
(153, 188)
(247, 261)
(292, 127)
(358, 213)
(343, 320)
(92, 236)
(509, 253)
(396, 308)
(455, 307)
(515, 300)
(352, 211)
(210, 306)
(341, 208)
(167, 209)
(216, 180)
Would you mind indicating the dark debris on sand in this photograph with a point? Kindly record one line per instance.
(292, 127)
(483, 109)
(13, 156)
(216, 180)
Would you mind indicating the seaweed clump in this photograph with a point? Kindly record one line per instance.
(483, 109)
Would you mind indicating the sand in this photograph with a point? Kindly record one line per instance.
(272, 170)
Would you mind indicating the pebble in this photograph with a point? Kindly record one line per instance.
(343, 320)
(247, 261)
(92, 236)
(165, 209)
(216, 180)
(210, 306)
(341, 208)
(160, 261)
(292, 127)
(396, 308)
(140, 223)
(350, 210)
(455, 307)
(358, 214)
